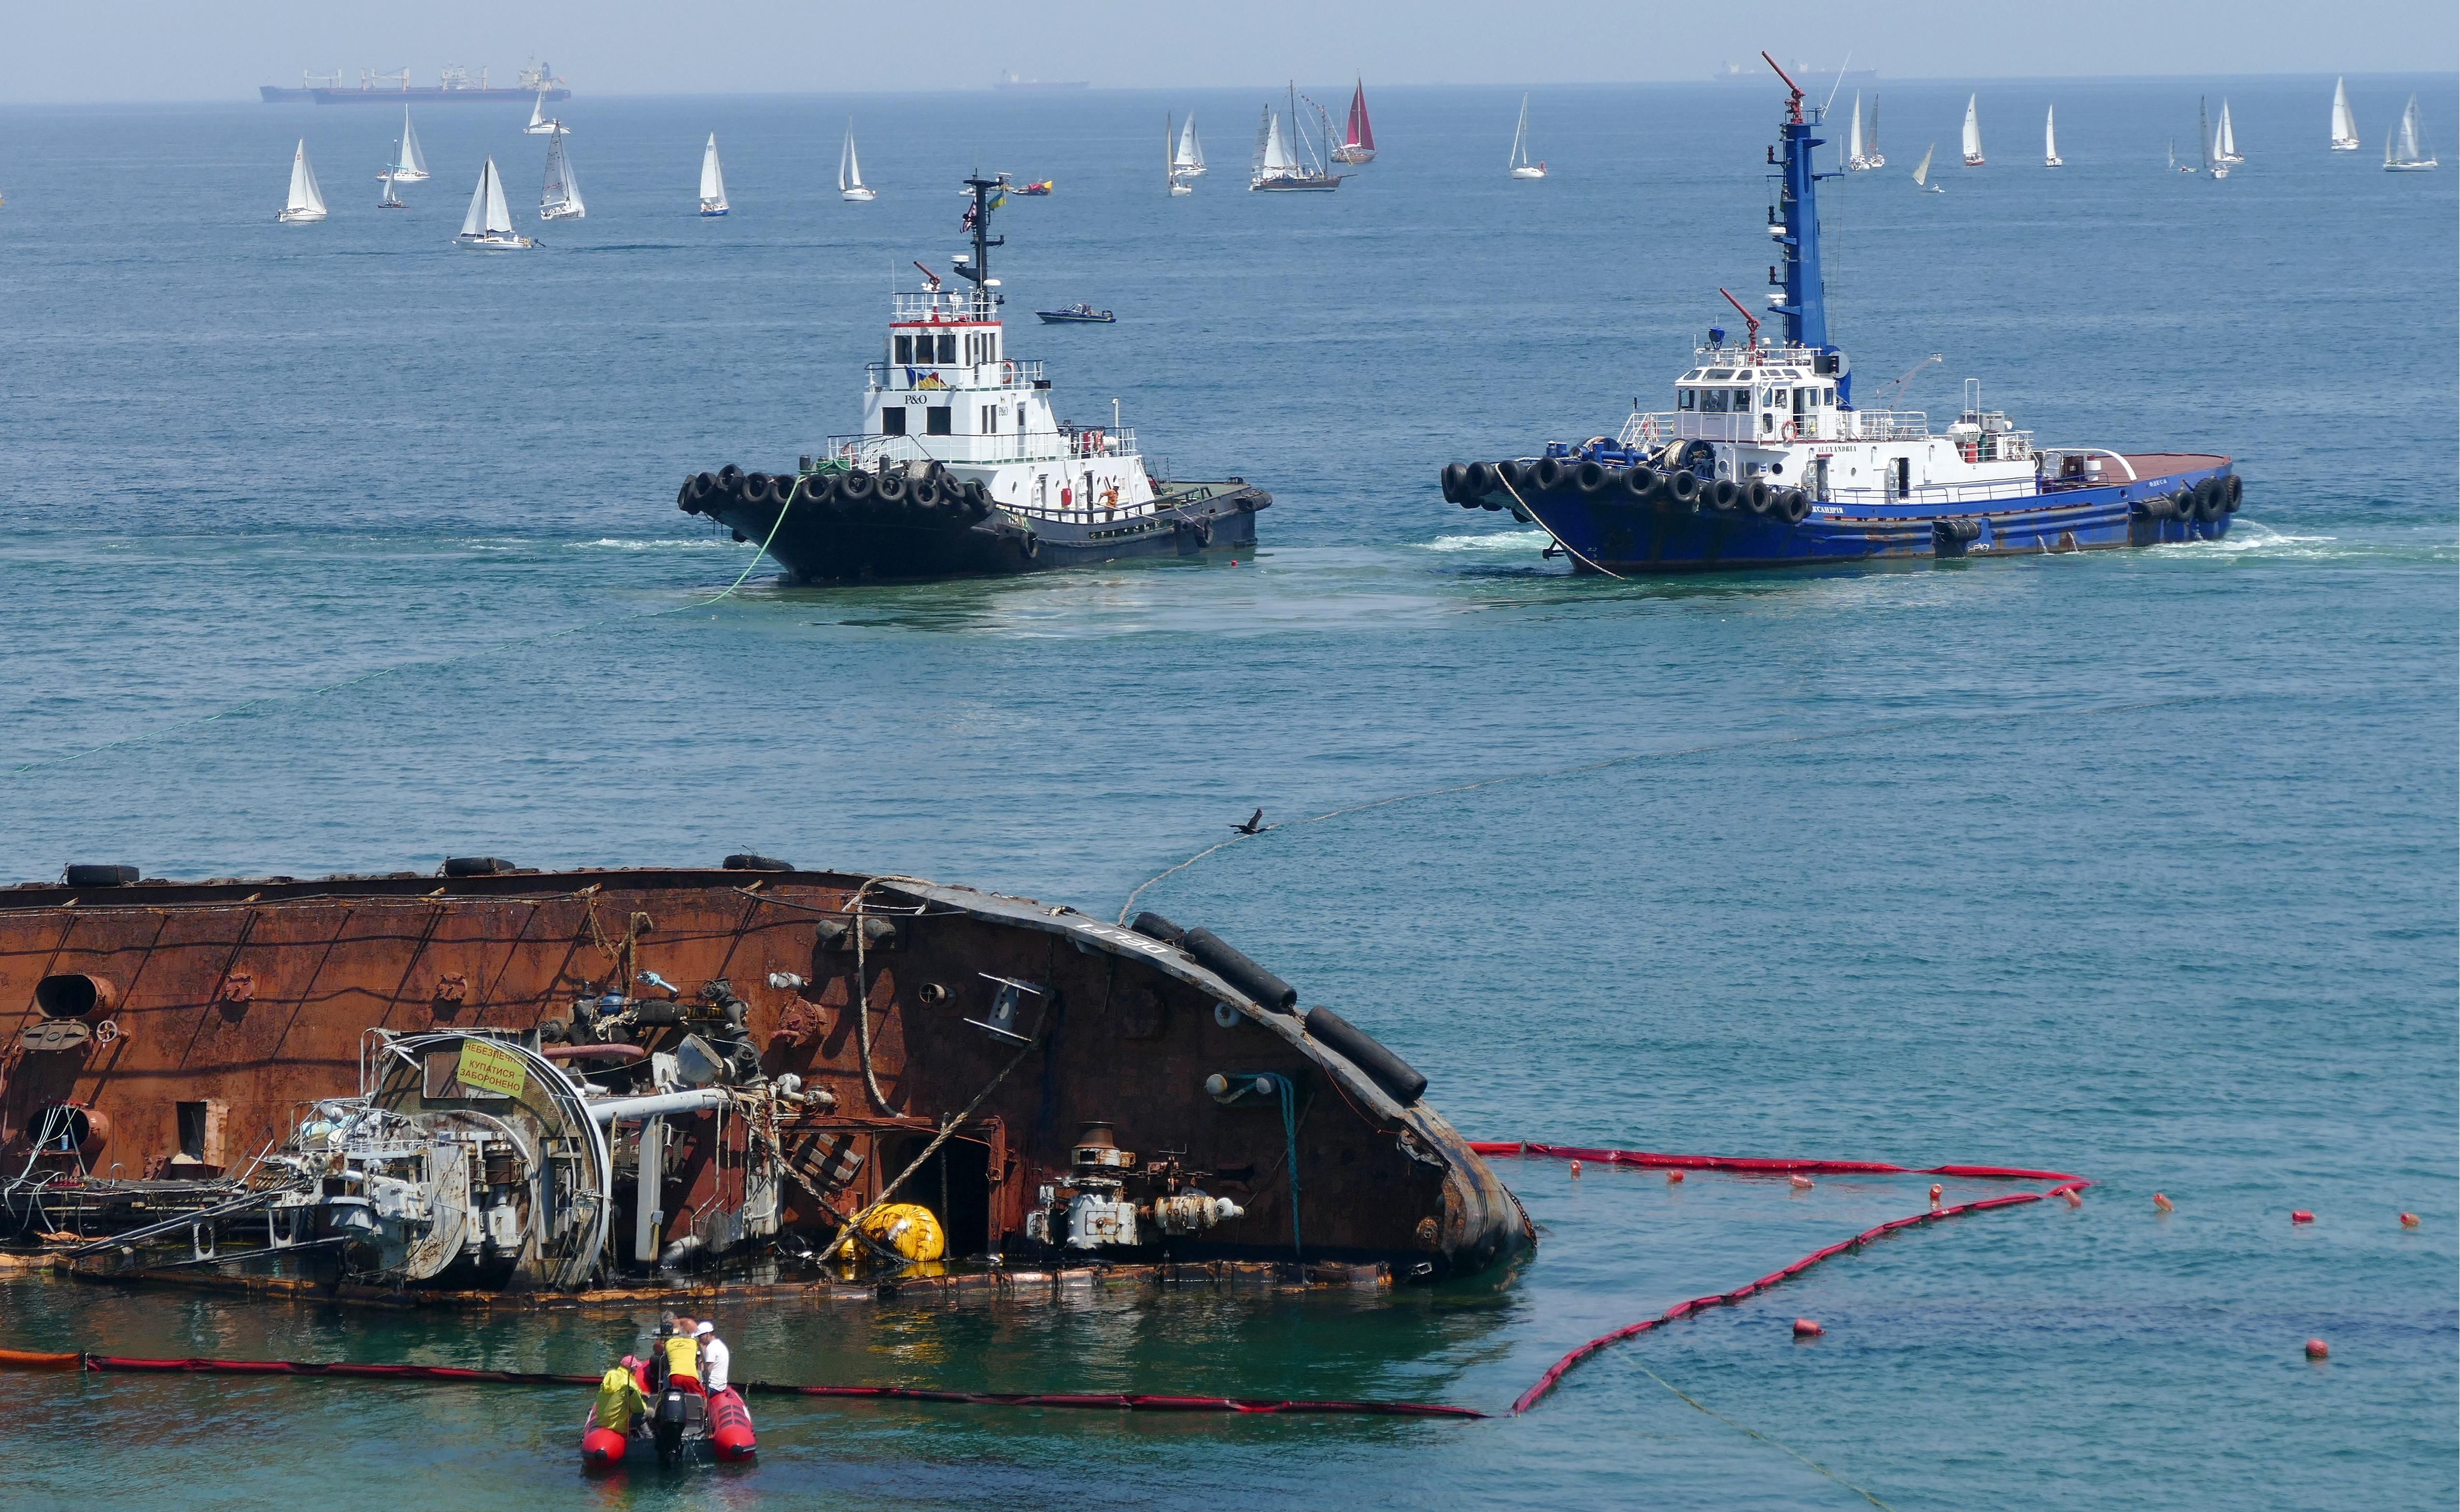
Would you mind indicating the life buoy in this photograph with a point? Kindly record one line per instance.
(1093, 442)
(1785, 431)
(1008, 373)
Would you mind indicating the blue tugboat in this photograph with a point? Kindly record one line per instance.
(1765, 460)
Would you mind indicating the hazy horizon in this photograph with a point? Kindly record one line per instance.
(149, 51)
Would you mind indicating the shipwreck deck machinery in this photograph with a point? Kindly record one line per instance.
(506, 1080)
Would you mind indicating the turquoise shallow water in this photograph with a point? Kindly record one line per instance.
(2137, 864)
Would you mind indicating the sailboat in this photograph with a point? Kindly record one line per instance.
(2225, 140)
(2404, 150)
(1855, 161)
(1521, 166)
(393, 200)
(1169, 161)
(850, 184)
(540, 125)
(1973, 132)
(1871, 154)
(1189, 163)
(306, 201)
(1359, 147)
(712, 181)
(559, 199)
(1921, 172)
(408, 164)
(2211, 164)
(2345, 121)
(1282, 165)
(2050, 157)
(488, 227)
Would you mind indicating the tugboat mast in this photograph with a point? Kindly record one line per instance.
(979, 271)
(1805, 310)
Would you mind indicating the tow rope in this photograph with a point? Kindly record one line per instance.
(1138, 1401)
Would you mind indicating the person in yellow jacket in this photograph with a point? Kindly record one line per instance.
(619, 1398)
(681, 1352)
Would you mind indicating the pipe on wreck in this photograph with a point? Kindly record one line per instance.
(615, 1109)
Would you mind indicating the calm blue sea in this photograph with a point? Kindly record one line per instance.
(2137, 864)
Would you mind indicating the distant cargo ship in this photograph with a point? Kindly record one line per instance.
(537, 82)
(1009, 81)
(1750, 73)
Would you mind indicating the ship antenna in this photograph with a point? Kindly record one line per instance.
(1749, 319)
(1794, 105)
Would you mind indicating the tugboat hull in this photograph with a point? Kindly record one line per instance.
(824, 536)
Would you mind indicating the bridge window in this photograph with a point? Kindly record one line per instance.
(892, 420)
(1685, 399)
(948, 346)
(1715, 373)
(1712, 401)
(906, 349)
(937, 420)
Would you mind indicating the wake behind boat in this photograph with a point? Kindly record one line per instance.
(1766, 460)
(963, 466)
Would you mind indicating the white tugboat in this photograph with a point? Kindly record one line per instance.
(963, 466)
(1767, 460)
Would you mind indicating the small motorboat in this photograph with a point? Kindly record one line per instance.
(1076, 315)
(1040, 186)
(681, 1426)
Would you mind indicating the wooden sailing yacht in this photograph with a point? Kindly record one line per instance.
(1973, 132)
(850, 184)
(2404, 150)
(1359, 143)
(306, 202)
(1521, 166)
(1287, 163)
(488, 227)
(712, 180)
(560, 197)
(2345, 121)
(2050, 157)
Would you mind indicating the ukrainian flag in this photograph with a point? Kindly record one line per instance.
(999, 196)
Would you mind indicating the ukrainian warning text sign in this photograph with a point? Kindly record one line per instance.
(492, 1068)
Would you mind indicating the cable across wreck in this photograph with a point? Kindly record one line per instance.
(586, 1082)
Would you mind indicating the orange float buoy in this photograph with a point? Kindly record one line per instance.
(1674, 1178)
(2164, 1203)
(1799, 1181)
(1804, 1328)
(2302, 1216)
(2408, 1220)
(2075, 1199)
(2317, 1349)
(1935, 1190)
(1576, 1170)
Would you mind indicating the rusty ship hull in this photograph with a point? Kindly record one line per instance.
(167, 1043)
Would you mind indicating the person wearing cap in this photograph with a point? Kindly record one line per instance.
(619, 1402)
(715, 1358)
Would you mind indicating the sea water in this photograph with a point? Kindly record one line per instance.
(333, 547)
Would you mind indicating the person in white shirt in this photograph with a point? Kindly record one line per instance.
(713, 1359)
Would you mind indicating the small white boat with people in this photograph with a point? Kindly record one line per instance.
(850, 184)
(1188, 161)
(963, 466)
(2050, 157)
(2345, 121)
(409, 163)
(541, 123)
(488, 227)
(2404, 150)
(1286, 160)
(1973, 158)
(306, 201)
(712, 180)
(560, 197)
(1519, 162)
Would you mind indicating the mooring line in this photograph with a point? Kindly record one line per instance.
(148, 736)
(1765, 1439)
(1747, 742)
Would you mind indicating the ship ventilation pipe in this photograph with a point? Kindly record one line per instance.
(696, 1101)
(1235, 969)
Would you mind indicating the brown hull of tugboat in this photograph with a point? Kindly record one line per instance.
(172, 1032)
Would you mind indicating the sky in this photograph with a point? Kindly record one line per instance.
(205, 49)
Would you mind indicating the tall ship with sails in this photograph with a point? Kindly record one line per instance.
(1286, 159)
(1358, 137)
(1766, 459)
(963, 466)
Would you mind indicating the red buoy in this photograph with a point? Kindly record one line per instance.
(1936, 1189)
(1804, 1328)
(1799, 1182)
(730, 1425)
(1576, 1170)
(2164, 1203)
(1674, 1178)
(2408, 1220)
(2317, 1349)
(602, 1448)
(2302, 1215)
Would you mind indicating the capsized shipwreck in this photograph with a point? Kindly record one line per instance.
(499, 1080)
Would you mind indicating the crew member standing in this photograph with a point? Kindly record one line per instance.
(715, 1358)
(683, 1359)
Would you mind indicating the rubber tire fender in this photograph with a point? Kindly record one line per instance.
(1638, 482)
(728, 476)
(1795, 506)
(1396, 1076)
(1215, 956)
(856, 488)
(1549, 475)
(1030, 547)
(2208, 494)
(1592, 477)
(2233, 489)
(1514, 476)
(1724, 494)
(892, 488)
(1683, 487)
(1757, 496)
(924, 491)
(1454, 475)
(755, 488)
(1477, 481)
(1201, 529)
(683, 499)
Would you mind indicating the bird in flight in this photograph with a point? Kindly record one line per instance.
(1255, 824)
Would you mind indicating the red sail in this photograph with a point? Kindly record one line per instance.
(1361, 134)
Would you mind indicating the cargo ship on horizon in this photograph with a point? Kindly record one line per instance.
(537, 82)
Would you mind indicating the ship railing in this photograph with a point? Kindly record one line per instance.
(870, 452)
(1647, 432)
(963, 305)
(1092, 441)
(903, 376)
(1884, 425)
(1939, 495)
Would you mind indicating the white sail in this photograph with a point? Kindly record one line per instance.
(1973, 132)
(1520, 137)
(2227, 140)
(499, 215)
(474, 224)
(1277, 159)
(1922, 170)
(1172, 176)
(2345, 121)
(559, 199)
(2406, 147)
(2051, 139)
(1854, 135)
(540, 125)
(306, 201)
(850, 184)
(1873, 156)
(1188, 162)
(2211, 164)
(713, 179)
(409, 163)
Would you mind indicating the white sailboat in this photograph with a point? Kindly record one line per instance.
(2345, 121)
(2050, 157)
(850, 184)
(1279, 163)
(1855, 161)
(1521, 166)
(2225, 140)
(306, 201)
(2404, 150)
(1872, 157)
(408, 164)
(541, 125)
(559, 199)
(1170, 159)
(1973, 132)
(712, 180)
(1921, 172)
(2211, 163)
(1189, 162)
(488, 227)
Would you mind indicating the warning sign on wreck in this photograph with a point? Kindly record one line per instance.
(490, 1068)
